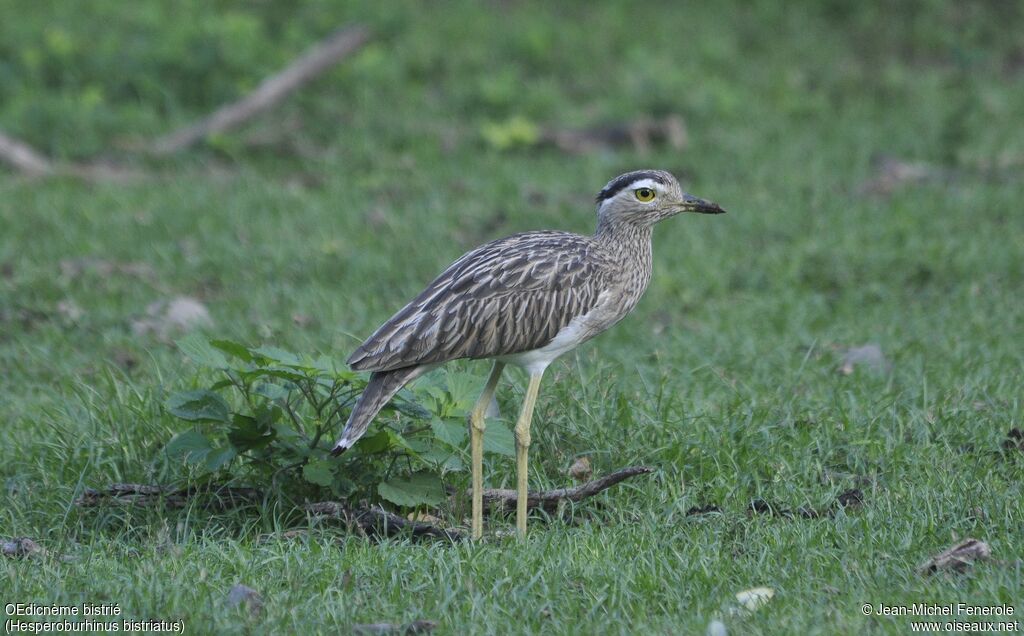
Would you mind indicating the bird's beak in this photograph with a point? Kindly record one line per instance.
(693, 204)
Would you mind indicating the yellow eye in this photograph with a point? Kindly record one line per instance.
(644, 194)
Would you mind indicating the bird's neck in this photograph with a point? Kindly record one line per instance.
(628, 237)
(629, 245)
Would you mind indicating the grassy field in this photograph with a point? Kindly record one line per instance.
(725, 379)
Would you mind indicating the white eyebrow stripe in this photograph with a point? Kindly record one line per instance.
(645, 183)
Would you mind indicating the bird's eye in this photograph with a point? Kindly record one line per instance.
(644, 194)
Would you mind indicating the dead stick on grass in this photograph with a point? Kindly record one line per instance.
(318, 59)
(641, 133)
(549, 499)
(376, 521)
(220, 497)
(23, 157)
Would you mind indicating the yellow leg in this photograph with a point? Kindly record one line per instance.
(477, 424)
(523, 449)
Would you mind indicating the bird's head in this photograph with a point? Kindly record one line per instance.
(645, 197)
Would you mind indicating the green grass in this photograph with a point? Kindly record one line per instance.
(724, 378)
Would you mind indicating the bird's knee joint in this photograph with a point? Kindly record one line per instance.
(477, 421)
(523, 439)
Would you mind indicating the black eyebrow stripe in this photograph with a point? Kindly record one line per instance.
(623, 182)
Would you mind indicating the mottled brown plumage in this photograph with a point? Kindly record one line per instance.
(524, 299)
(509, 296)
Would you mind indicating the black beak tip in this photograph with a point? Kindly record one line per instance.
(701, 206)
(707, 207)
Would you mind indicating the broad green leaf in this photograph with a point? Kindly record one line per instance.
(450, 431)
(396, 440)
(325, 365)
(232, 349)
(267, 414)
(436, 391)
(453, 464)
(319, 472)
(331, 367)
(423, 488)
(463, 391)
(276, 371)
(219, 457)
(191, 446)
(443, 459)
(270, 391)
(376, 443)
(286, 432)
(290, 441)
(429, 393)
(418, 444)
(248, 432)
(198, 406)
(279, 355)
(499, 439)
(410, 408)
(199, 350)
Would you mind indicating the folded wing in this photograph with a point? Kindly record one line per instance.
(507, 296)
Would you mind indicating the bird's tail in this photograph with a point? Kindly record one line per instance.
(378, 392)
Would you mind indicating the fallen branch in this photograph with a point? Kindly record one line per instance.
(23, 157)
(851, 498)
(318, 59)
(641, 134)
(396, 629)
(143, 495)
(342, 43)
(549, 499)
(370, 521)
(378, 522)
(891, 173)
(373, 521)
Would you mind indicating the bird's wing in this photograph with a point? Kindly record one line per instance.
(507, 296)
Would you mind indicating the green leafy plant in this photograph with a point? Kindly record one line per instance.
(274, 416)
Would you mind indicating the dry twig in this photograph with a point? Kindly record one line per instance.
(378, 522)
(222, 497)
(641, 134)
(891, 173)
(32, 163)
(318, 59)
(373, 521)
(549, 499)
(851, 498)
(415, 627)
(23, 157)
(322, 56)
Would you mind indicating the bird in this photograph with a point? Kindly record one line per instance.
(522, 300)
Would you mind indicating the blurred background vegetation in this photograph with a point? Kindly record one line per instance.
(83, 79)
